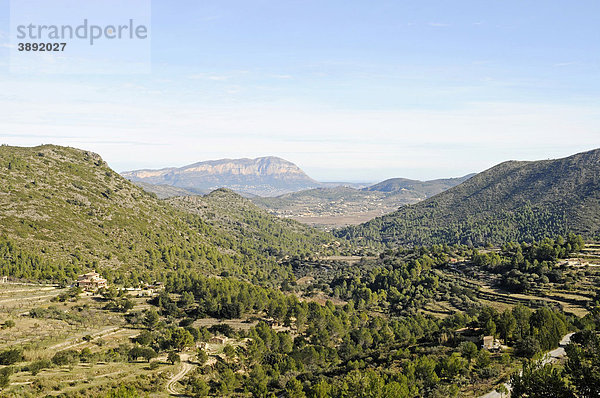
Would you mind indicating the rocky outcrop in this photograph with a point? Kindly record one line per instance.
(266, 176)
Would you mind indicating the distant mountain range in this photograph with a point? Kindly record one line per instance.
(513, 201)
(265, 176)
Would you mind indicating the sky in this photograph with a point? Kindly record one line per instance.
(348, 90)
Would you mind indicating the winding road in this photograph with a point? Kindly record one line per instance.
(551, 357)
(186, 366)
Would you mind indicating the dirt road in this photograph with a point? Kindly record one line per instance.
(186, 367)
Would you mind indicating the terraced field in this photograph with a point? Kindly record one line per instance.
(79, 325)
(582, 274)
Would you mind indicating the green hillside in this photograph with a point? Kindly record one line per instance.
(513, 201)
(63, 210)
(424, 188)
(251, 225)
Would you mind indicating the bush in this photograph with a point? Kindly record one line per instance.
(202, 356)
(123, 392)
(37, 366)
(223, 329)
(198, 387)
(489, 372)
(5, 377)
(483, 359)
(11, 356)
(154, 365)
(8, 324)
(66, 357)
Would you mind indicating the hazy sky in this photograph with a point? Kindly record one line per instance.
(348, 90)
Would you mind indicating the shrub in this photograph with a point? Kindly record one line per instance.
(5, 377)
(202, 356)
(8, 324)
(37, 366)
(11, 356)
(123, 392)
(66, 357)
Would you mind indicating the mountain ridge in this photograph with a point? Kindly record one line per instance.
(512, 201)
(265, 176)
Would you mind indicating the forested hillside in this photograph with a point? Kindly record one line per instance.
(513, 201)
(63, 210)
(254, 227)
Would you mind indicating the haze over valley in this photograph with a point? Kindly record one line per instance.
(283, 189)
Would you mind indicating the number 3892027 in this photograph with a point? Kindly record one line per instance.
(41, 46)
